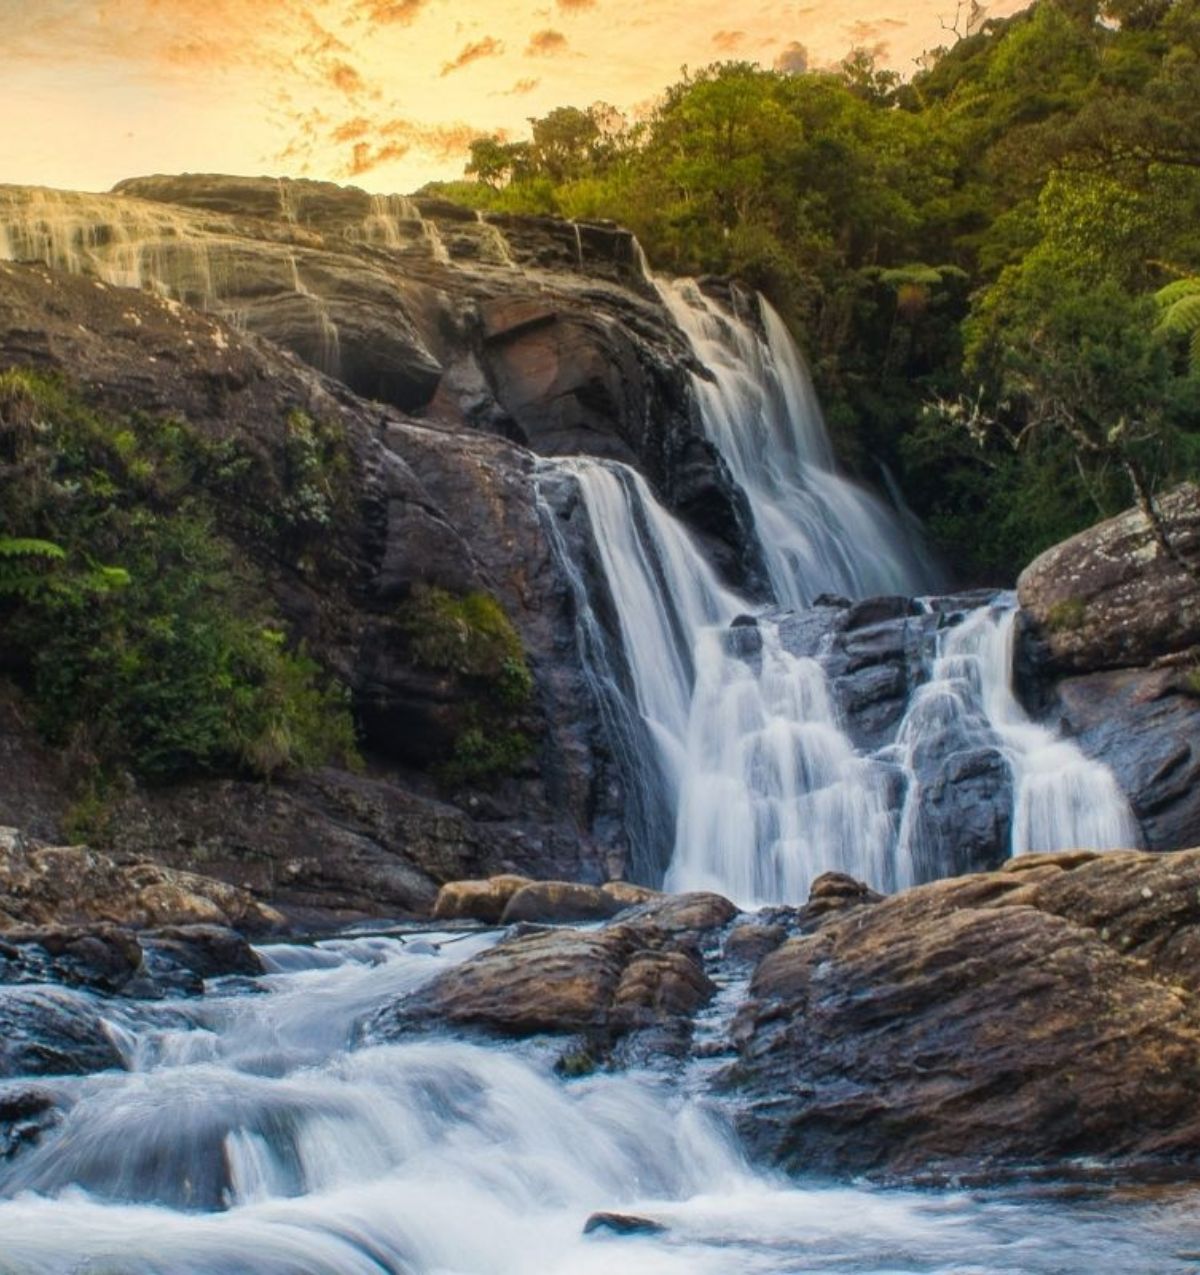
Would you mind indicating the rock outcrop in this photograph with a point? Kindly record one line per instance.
(1043, 1014)
(1110, 648)
(631, 986)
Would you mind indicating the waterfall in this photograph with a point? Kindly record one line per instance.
(820, 532)
(734, 741)
(1064, 801)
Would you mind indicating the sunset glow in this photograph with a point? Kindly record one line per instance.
(383, 93)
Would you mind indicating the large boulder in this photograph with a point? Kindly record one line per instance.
(1113, 596)
(50, 1031)
(1109, 648)
(1044, 1013)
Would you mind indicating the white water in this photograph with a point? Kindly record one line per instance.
(762, 788)
(253, 1136)
(820, 532)
(1063, 800)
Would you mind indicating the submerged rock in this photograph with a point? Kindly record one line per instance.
(622, 1224)
(1033, 1015)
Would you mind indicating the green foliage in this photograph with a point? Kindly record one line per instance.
(471, 637)
(138, 631)
(1179, 314)
(941, 240)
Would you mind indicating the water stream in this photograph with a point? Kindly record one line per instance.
(253, 1135)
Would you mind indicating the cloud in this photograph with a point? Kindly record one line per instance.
(488, 47)
(727, 41)
(520, 88)
(345, 78)
(546, 44)
(575, 6)
(366, 157)
(386, 12)
(793, 60)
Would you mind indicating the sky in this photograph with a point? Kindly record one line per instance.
(385, 94)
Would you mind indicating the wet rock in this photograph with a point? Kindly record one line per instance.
(751, 941)
(559, 902)
(622, 1224)
(1026, 1016)
(26, 1113)
(679, 914)
(104, 958)
(477, 900)
(1112, 597)
(52, 1032)
(178, 959)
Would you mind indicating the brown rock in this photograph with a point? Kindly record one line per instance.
(558, 902)
(752, 941)
(477, 900)
(1035, 1014)
(57, 885)
(677, 913)
(630, 895)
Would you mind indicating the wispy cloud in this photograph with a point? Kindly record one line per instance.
(488, 47)
(546, 44)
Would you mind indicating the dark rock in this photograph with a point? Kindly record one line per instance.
(1112, 597)
(103, 958)
(52, 1032)
(201, 951)
(25, 1115)
(1145, 727)
(985, 1024)
(872, 611)
(622, 1224)
(744, 622)
(964, 818)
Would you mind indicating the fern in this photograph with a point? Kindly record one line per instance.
(1179, 313)
(25, 566)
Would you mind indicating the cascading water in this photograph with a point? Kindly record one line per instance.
(1063, 800)
(820, 533)
(742, 742)
(253, 1132)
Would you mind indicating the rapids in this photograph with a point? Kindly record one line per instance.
(255, 1133)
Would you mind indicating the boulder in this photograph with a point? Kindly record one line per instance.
(1112, 596)
(104, 958)
(635, 983)
(559, 902)
(26, 1113)
(751, 941)
(1042, 1014)
(52, 1032)
(622, 1224)
(477, 900)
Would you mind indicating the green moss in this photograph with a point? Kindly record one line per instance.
(1191, 680)
(471, 637)
(1066, 615)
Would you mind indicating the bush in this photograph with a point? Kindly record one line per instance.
(137, 629)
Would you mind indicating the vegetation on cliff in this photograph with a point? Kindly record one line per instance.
(992, 265)
(138, 629)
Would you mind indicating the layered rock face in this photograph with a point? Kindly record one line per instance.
(983, 1025)
(1111, 645)
(383, 840)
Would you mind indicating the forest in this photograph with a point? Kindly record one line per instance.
(992, 263)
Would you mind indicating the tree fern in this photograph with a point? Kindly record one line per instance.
(1179, 313)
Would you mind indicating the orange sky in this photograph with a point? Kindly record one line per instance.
(384, 93)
